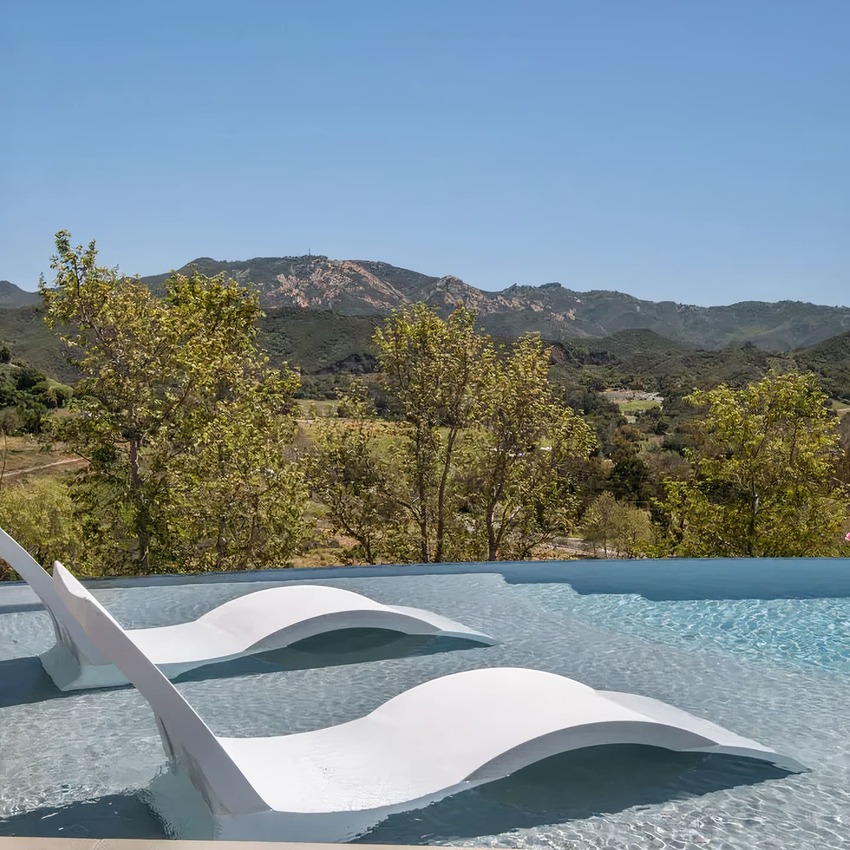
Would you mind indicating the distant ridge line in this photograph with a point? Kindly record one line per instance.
(373, 287)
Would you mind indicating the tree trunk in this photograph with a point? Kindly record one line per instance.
(441, 497)
(142, 519)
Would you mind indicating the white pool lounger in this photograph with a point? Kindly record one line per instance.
(256, 622)
(436, 739)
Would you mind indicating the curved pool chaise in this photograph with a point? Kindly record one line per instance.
(256, 622)
(441, 737)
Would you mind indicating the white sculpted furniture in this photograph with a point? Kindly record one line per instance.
(256, 622)
(436, 739)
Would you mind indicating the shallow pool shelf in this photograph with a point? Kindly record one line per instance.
(444, 736)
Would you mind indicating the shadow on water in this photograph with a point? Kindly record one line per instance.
(571, 786)
(346, 646)
(655, 579)
(21, 607)
(682, 579)
(596, 781)
(23, 680)
(113, 816)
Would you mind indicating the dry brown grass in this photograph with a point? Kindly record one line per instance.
(23, 456)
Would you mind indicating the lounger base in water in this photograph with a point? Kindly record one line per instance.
(68, 674)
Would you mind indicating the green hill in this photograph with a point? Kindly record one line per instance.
(13, 296)
(643, 359)
(316, 340)
(829, 359)
(326, 344)
(29, 340)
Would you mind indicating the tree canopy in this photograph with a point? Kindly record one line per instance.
(764, 477)
(480, 466)
(183, 423)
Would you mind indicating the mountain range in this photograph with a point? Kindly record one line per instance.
(367, 287)
(371, 288)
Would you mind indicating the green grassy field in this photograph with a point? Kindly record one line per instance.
(633, 407)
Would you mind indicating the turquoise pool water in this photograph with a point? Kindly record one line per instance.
(760, 647)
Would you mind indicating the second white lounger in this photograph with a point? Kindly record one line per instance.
(431, 741)
(256, 622)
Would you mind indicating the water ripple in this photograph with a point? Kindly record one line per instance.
(775, 671)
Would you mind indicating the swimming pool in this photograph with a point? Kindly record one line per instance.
(761, 647)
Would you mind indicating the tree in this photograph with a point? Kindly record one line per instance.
(39, 514)
(599, 525)
(482, 464)
(843, 466)
(240, 491)
(624, 529)
(436, 370)
(181, 419)
(350, 477)
(764, 473)
(629, 478)
(519, 484)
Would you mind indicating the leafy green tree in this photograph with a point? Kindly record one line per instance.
(239, 491)
(173, 395)
(350, 476)
(617, 528)
(599, 524)
(482, 467)
(520, 487)
(629, 478)
(28, 377)
(843, 465)
(39, 514)
(764, 473)
(436, 370)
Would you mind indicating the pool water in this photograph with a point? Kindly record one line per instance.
(762, 648)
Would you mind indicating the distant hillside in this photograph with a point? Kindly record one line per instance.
(830, 359)
(365, 287)
(643, 359)
(318, 341)
(13, 296)
(325, 345)
(31, 341)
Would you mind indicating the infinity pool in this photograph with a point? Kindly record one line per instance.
(761, 647)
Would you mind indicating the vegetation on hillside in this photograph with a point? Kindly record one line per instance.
(27, 396)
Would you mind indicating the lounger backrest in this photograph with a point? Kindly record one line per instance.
(66, 628)
(185, 735)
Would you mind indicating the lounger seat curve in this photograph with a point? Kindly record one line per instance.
(256, 622)
(441, 737)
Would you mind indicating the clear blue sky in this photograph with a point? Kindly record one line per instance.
(693, 150)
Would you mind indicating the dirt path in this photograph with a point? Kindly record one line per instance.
(16, 472)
